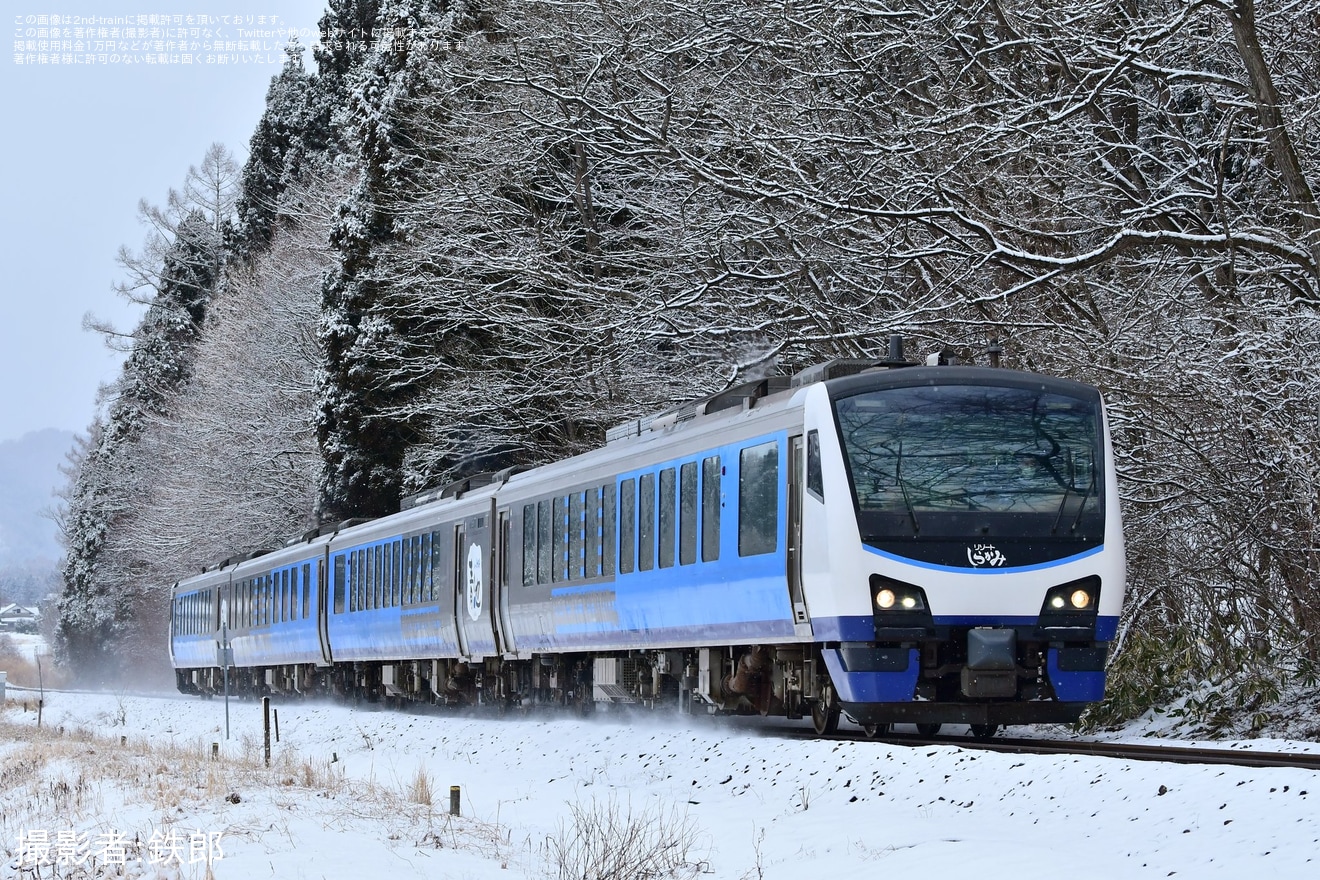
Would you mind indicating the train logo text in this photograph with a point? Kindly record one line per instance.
(985, 555)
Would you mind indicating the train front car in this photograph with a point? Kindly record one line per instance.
(962, 547)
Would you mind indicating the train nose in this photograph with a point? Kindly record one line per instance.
(991, 669)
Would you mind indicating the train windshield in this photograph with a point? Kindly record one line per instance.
(923, 453)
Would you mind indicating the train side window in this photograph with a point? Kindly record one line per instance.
(360, 572)
(407, 558)
(667, 517)
(354, 580)
(418, 556)
(627, 525)
(371, 571)
(422, 565)
(591, 533)
(815, 479)
(407, 566)
(544, 547)
(340, 578)
(529, 544)
(758, 499)
(607, 515)
(368, 578)
(286, 599)
(339, 583)
(560, 553)
(646, 522)
(377, 575)
(307, 590)
(506, 536)
(575, 536)
(710, 508)
(400, 571)
(355, 574)
(687, 513)
(415, 591)
(396, 578)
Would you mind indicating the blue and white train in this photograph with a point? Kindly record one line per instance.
(925, 544)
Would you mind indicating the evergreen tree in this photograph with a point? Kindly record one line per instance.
(293, 130)
(364, 426)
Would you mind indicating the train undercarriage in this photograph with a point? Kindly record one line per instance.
(985, 690)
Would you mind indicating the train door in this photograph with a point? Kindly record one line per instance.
(473, 594)
(459, 577)
(796, 471)
(500, 581)
(323, 607)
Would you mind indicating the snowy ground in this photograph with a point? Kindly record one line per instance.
(732, 800)
(28, 645)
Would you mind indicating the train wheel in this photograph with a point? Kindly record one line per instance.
(825, 711)
(874, 730)
(984, 731)
(929, 729)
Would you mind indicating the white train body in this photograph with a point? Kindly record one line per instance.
(925, 544)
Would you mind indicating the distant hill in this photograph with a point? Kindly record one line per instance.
(29, 473)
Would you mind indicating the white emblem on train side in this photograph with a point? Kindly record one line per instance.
(985, 554)
(474, 586)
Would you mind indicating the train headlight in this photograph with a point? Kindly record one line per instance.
(895, 596)
(900, 610)
(1071, 605)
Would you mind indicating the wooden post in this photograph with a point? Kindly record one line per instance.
(454, 801)
(215, 751)
(265, 725)
(277, 725)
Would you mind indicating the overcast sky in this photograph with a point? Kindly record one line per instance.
(82, 144)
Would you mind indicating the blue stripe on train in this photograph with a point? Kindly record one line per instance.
(861, 628)
(955, 569)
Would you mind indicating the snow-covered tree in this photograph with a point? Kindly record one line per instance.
(176, 274)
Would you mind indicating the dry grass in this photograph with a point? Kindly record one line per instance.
(420, 790)
(611, 841)
(23, 672)
(75, 778)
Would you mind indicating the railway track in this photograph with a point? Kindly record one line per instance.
(1123, 751)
